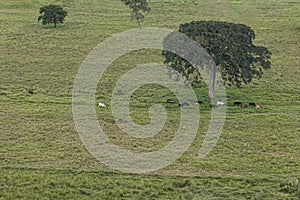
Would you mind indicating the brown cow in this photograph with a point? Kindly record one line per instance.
(258, 106)
(30, 91)
(243, 105)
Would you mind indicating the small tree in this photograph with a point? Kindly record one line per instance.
(230, 46)
(52, 14)
(137, 7)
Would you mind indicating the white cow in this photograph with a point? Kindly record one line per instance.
(220, 103)
(101, 105)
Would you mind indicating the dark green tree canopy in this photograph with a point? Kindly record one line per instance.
(52, 14)
(231, 47)
(137, 7)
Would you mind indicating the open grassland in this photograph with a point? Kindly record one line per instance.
(42, 157)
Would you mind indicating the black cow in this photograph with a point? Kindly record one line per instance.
(200, 102)
(183, 104)
(213, 106)
(237, 103)
(252, 104)
(197, 102)
(170, 101)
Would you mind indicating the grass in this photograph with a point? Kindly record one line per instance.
(42, 157)
(93, 185)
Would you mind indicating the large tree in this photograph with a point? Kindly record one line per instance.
(137, 7)
(52, 14)
(230, 46)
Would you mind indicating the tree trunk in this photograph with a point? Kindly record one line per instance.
(139, 24)
(55, 22)
(137, 17)
(213, 72)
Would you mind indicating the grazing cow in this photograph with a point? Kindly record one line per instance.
(183, 104)
(258, 106)
(237, 103)
(200, 102)
(197, 102)
(243, 105)
(252, 104)
(170, 101)
(220, 103)
(30, 91)
(101, 105)
(213, 106)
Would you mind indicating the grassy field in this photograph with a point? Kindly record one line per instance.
(42, 157)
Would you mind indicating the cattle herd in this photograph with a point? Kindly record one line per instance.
(251, 104)
(183, 104)
(218, 103)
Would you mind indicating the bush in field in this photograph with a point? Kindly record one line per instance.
(137, 7)
(52, 14)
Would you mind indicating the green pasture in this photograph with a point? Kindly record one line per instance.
(41, 156)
